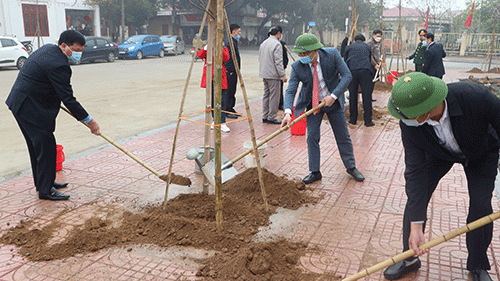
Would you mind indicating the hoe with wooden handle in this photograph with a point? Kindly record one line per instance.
(128, 153)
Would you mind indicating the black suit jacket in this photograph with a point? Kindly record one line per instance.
(230, 64)
(475, 120)
(433, 60)
(358, 55)
(41, 85)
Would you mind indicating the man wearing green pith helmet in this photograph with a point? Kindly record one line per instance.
(325, 77)
(443, 124)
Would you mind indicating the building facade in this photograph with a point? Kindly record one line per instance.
(46, 19)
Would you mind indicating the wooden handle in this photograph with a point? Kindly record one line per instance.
(293, 58)
(270, 137)
(450, 235)
(119, 147)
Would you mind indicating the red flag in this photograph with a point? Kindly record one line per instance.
(427, 19)
(468, 22)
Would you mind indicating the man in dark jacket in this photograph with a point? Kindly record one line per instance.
(358, 58)
(418, 55)
(433, 57)
(443, 124)
(232, 76)
(35, 99)
(324, 76)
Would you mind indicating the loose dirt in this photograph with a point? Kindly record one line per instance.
(494, 70)
(382, 86)
(377, 112)
(177, 179)
(475, 70)
(187, 220)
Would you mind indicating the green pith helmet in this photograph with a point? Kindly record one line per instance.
(306, 43)
(415, 94)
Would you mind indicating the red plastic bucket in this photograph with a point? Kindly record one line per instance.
(390, 78)
(60, 157)
(299, 128)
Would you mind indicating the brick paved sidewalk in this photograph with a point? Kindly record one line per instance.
(354, 226)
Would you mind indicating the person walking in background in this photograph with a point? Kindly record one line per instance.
(324, 76)
(358, 58)
(443, 124)
(272, 72)
(35, 99)
(433, 57)
(375, 43)
(418, 55)
(202, 54)
(232, 76)
(285, 65)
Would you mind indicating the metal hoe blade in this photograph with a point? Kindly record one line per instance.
(209, 170)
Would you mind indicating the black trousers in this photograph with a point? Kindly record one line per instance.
(418, 67)
(232, 82)
(481, 174)
(43, 152)
(363, 78)
(280, 107)
(223, 104)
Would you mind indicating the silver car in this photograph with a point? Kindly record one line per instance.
(173, 44)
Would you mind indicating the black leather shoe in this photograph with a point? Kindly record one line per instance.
(273, 121)
(350, 122)
(480, 275)
(232, 116)
(374, 99)
(57, 185)
(264, 120)
(312, 177)
(357, 175)
(369, 124)
(53, 195)
(401, 268)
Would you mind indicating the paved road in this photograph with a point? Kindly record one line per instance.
(126, 97)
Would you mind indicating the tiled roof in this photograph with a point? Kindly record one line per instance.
(405, 12)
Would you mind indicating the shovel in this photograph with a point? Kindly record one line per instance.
(228, 171)
(162, 177)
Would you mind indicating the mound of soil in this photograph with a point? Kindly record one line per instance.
(475, 70)
(377, 112)
(280, 191)
(262, 261)
(494, 70)
(382, 86)
(187, 220)
(177, 179)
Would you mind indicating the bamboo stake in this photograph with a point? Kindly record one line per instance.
(129, 154)
(184, 94)
(406, 54)
(249, 114)
(434, 242)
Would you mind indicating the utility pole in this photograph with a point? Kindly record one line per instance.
(122, 34)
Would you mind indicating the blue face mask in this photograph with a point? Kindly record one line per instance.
(306, 60)
(237, 37)
(75, 58)
(425, 44)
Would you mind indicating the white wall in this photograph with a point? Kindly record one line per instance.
(11, 17)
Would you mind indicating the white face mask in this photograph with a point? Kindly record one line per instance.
(414, 122)
(377, 39)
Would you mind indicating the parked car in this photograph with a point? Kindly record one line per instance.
(12, 52)
(139, 46)
(173, 44)
(98, 48)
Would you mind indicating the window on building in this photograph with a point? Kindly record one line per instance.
(30, 13)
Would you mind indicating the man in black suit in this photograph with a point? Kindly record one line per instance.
(232, 76)
(35, 99)
(358, 58)
(433, 57)
(443, 124)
